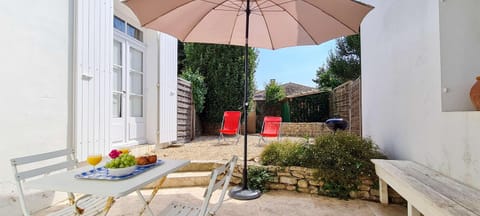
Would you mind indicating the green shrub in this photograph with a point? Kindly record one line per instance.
(340, 159)
(223, 69)
(199, 89)
(257, 178)
(284, 153)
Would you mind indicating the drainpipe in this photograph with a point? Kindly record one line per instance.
(157, 132)
(72, 79)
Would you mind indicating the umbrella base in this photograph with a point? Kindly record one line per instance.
(244, 194)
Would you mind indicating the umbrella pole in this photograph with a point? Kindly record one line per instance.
(242, 192)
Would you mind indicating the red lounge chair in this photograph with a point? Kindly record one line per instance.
(230, 125)
(270, 128)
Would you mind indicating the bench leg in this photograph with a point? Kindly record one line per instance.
(383, 192)
(412, 211)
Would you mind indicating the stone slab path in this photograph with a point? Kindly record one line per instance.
(269, 204)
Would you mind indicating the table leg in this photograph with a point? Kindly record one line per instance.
(108, 205)
(154, 192)
(71, 198)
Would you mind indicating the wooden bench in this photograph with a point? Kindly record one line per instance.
(427, 191)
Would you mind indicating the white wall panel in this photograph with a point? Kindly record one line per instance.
(168, 88)
(94, 38)
(36, 88)
(402, 61)
(459, 21)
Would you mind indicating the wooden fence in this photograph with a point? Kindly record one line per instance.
(346, 103)
(185, 112)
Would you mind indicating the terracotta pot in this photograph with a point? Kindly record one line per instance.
(475, 94)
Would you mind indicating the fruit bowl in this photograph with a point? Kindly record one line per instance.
(121, 171)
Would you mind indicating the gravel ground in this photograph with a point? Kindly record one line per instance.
(207, 148)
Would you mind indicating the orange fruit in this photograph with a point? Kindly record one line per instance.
(124, 151)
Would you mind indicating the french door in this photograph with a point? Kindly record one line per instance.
(127, 81)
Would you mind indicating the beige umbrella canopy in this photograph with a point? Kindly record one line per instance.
(273, 24)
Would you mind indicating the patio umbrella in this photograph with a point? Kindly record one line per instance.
(273, 24)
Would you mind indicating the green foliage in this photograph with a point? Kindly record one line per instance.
(199, 89)
(180, 56)
(274, 93)
(335, 189)
(310, 108)
(223, 69)
(326, 80)
(339, 159)
(342, 65)
(284, 153)
(257, 178)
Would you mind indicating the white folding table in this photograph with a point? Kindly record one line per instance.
(66, 182)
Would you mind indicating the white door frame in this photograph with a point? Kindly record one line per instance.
(130, 124)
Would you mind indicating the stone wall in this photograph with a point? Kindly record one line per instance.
(301, 129)
(302, 180)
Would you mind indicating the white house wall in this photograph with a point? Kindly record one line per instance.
(402, 90)
(94, 38)
(36, 112)
(162, 119)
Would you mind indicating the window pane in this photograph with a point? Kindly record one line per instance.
(136, 83)
(136, 59)
(134, 32)
(118, 24)
(117, 53)
(136, 106)
(117, 105)
(117, 79)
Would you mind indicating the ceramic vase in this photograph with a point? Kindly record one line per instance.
(475, 94)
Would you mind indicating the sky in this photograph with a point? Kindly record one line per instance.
(292, 64)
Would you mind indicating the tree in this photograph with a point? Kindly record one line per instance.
(326, 80)
(342, 65)
(274, 93)
(223, 69)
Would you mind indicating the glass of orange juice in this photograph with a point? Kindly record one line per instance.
(93, 160)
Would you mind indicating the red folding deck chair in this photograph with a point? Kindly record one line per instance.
(230, 125)
(270, 128)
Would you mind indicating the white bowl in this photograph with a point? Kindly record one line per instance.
(121, 171)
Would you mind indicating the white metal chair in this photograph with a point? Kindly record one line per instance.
(177, 209)
(85, 205)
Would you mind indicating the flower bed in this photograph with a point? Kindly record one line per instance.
(336, 165)
(303, 180)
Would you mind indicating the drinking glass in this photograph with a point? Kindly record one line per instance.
(93, 160)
